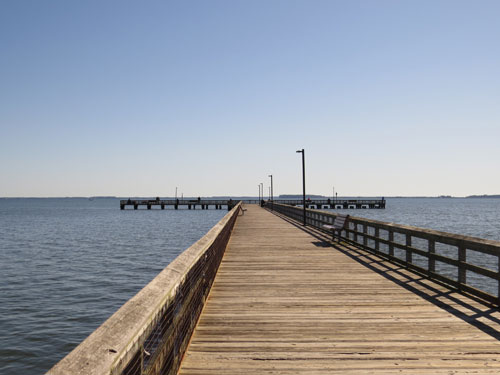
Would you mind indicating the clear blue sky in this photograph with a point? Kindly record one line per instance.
(139, 97)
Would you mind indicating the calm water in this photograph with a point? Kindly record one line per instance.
(68, 264)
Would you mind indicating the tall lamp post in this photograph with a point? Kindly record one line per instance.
(272, 200)
(259, 192)
(303, 183)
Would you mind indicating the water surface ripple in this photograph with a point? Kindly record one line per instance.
(68, 264)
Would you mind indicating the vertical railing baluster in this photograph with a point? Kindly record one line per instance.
(462, 260)
(431, 260)
(365, 232)
(377, 235)
(142, 358)
(391, 242)
(409, 254)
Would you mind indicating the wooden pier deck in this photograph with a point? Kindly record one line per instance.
(285, 301)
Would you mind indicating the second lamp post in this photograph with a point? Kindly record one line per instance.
(272, 201)
(303, 183)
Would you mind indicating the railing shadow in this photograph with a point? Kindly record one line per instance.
(480, 315)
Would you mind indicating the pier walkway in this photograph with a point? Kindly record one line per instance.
(285, 301)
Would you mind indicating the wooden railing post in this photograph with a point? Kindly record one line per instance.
(365, 232)
(409, 254)
(141, 348)
(431, 261)
(391, 242)
(462, 259)
(377, 235)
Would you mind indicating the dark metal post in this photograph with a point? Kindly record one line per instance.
(272, 201)
(261, 194)
(303, 183)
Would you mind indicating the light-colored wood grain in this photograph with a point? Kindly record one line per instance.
(284, 303)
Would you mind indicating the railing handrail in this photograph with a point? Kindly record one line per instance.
(437, 235)
(369, 237)
(110, 348)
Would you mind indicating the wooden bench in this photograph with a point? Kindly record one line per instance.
(338, 225)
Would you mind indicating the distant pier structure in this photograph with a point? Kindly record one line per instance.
(219, 204)
(203, 204)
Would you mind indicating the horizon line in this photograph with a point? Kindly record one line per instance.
(281, 196)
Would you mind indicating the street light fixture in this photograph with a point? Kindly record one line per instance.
(303, 183)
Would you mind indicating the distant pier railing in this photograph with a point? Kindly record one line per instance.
(469, 264)
(335, 203)
(149, 334)
(176, 203)
(230, 203)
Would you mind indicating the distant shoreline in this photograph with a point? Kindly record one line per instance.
(484, 196)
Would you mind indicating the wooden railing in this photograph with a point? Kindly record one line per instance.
(149, 334)
(469, 264)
